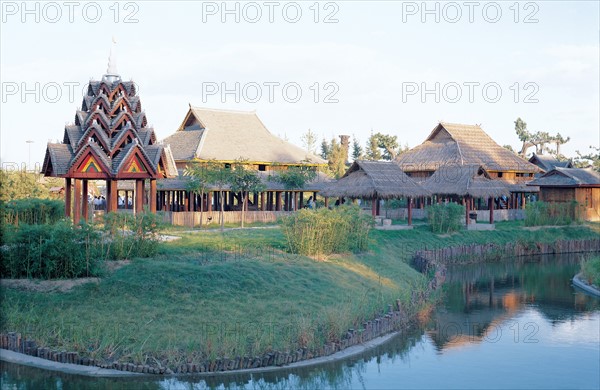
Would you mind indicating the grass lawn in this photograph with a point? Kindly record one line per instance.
(236, 293)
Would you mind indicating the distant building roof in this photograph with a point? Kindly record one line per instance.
(456, 144)
(568, 177)
(227, 135)
(547, 162)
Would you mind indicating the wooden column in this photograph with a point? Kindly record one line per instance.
(262, 200)
(467, 203)
(68, 197)
(326, 202)
(301, 201)
(378, 206)
(153, 199)
(139, 196)
(278, 201)
(491, 207)
(84, 200)
(209, 198)
(409, 201)
(296, 204)
(374, 207)
(77, 202)
(191, 204)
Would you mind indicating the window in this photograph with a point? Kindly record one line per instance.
(262, 167)
(500, 174)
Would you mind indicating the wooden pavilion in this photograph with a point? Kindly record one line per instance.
(374, 180)
(563, 185)
(226, 137)
(110, 141)
(466, 183)
(451, 144)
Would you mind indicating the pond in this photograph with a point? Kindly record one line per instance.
(511, 325)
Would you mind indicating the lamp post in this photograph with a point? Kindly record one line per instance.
(29, 161)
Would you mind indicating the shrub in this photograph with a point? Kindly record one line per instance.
(51, 251)
(131, 235)
(323, 231)
(445, 218)
(591, 270)
(32, 211)
(543, 213)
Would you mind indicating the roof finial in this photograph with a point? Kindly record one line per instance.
(112, 59)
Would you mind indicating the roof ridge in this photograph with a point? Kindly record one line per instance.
(253, 112)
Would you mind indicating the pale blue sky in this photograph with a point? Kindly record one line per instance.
(370, 54)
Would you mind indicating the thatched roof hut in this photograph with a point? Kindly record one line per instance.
(458, 144)
(228, 135)
(374, 179)
(465, 180)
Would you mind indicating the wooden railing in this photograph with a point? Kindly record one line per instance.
(191, 219)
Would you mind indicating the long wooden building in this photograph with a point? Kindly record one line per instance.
(228, 136)
(564, 185)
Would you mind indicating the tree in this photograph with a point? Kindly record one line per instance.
(245, 180)
(558, 140)
(295, 178)
(357, 151)
(309, 141)
(372, 150)
(389, 145)
(524, 136)
(325, 150)
(510, 148)
(337, 159)
(199, 182)
(220, 177)
(592, 158)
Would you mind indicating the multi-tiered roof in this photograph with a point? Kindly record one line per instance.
(109, 138)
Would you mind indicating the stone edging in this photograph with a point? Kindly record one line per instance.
(581, 283)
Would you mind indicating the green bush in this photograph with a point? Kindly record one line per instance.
(50, 251)
(591, 270)
(543, 213)
(32, 211)
(131, 235)
(445, 218)
(324, 231)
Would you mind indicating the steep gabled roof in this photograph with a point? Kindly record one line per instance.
(57, 159)
(370, 179)
(547, 163)
(227, 135)
(457, 144)
(568, 177)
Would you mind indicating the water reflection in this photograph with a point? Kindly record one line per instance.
(510, 325)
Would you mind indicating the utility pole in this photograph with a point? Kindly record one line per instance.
(29, 161)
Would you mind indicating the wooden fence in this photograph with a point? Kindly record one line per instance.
(480, 252)
(192, 218)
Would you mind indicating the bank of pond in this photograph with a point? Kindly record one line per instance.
(518, 323)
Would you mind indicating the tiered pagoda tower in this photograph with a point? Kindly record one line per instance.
(109, 141)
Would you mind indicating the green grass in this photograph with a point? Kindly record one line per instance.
(591, 270)
(236, 293)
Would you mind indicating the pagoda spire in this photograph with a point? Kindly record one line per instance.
(112, 74)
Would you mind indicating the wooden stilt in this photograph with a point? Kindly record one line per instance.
(68, 191)
(77, 202)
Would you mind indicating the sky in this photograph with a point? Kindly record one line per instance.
(339, 67)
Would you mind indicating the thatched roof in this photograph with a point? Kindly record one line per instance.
(465, 180)
(546, 163)
(267, 178)
(456, 144)
(568, 177)
(227, 135)
(371, 179)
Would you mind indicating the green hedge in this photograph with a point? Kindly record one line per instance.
(323, 231)
(544, 213)
(50, 251)
(32, 211)
(61, 250)
(445, 218)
